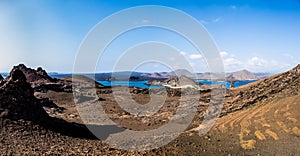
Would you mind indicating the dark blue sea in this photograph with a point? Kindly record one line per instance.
(142, 84)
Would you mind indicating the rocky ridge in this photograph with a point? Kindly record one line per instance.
(272, 88)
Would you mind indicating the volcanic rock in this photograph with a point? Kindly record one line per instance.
(17, 100)
(41, 82)
(35, 76)
(22, 116)
(175, 82)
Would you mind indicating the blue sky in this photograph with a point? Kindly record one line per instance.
(258, 35)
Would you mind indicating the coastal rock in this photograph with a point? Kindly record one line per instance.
(155, 82)
(175, 82)
(178, 85)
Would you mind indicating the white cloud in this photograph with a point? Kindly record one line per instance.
(182, 53)
(195, 56)
(232, 61)
(231, 64)
(258, 62)
(223, 54)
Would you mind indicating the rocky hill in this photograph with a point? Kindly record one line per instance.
(17, 100)
(280, 85)
(41, 82)
(24, 123)
(208, 76)
(241, 76)
(34, 76)
(264, 119)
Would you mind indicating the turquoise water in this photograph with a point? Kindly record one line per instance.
(227, 84)
(142, 84)
(138, 84)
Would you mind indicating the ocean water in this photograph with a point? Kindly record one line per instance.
(227, 84)
(142, 84)
(138, 84)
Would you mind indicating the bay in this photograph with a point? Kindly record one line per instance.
(142, 84)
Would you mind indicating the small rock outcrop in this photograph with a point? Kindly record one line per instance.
(17, 100)
(175, 82)
(178, 85)
(1, 78)
(179, 81)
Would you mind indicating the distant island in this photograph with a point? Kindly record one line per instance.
(241, 75)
